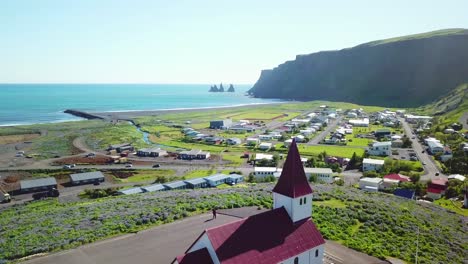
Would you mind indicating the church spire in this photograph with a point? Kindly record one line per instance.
(293, 181)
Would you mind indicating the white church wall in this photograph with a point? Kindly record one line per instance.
(304, 210)
(280, 200)
(204, 242)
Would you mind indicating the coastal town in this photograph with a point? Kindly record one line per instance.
(388, 151)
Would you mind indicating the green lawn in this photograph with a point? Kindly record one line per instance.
(202, 173)
(454, 206)
(147, 175)
(234, 158)
(339, 151)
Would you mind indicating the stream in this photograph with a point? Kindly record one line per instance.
(146, 137)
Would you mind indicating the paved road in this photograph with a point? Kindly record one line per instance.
(430, 168)
(330, 127)
(161, 244)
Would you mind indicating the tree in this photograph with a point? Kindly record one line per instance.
(340, 182)
(221, 88)
(407, 142)
(231, 88)
(310, 163)
(313, 178)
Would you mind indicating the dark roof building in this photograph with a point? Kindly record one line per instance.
(87, 177)
(38, 184)
(405, 193)
(282, 235)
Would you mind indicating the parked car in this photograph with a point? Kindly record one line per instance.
(437, 174)
(424, 163)
(156, 165)
(128, 166)
(66, 167)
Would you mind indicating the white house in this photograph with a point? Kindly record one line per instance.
(265, 146)
(323, 174)
(262, 172)
(287, 142)
(299, 138)
(261, 156)
(435, 147)
(306, 132)
(372, 165)
(265, 137)
(370, 184)
(252, 141)
(285, 234)
(359, 122)
(381, 149)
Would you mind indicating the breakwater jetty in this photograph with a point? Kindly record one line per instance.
(82, 114)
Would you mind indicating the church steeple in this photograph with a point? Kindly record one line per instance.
(293, 190)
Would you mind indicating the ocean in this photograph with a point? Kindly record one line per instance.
(44, 103)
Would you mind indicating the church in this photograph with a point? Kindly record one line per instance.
(283, 235)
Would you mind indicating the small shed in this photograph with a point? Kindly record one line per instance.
(197, 183)
(177, 185)
(405, 193)
(86, 177)
(234, 179)
(153, 188)
(216, 179)
(41, 184)
(130, 191)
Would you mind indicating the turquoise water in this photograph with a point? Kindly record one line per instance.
(45, 103)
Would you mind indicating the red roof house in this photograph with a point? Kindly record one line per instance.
(284, 234)
(436, 188)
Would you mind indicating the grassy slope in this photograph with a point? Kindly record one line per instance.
(374, 223)
(443, 32)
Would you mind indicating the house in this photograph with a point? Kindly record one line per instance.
(234, 141)
(194, 154)
(446, 155)
(86, 177)
(299, 138)
(275, 134)
(261, 156)
(322, 174)
(383, 132)
(319, 119)
(153, 188)
(265, 146)
(436, 188)
(41, 184)
(285, 234)
(130, 191)
(151, 152)
(398, 143)
(214, 140)
(352, 115)
(306, 132)
(192, 133)
(456, 177)
(359, 122)
(380, 149)
(416, 119)
(265, 137)
(435, 147)
(242, 128)
(234, 179)
(252, 141)
(287, 143)
(216, 179)
(177, 185)
(370, 184)
(301, 121)
(197, 183)
(221, 124)
(405, 193)
(262, 172)
(121, 147)
(391, 180)
(372, 165)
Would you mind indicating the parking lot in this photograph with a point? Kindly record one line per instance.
(405, 154)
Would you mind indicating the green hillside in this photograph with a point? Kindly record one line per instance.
(408, 71)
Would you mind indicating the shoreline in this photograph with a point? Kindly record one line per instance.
(130, 114)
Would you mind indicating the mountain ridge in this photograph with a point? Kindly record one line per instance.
(407, 71)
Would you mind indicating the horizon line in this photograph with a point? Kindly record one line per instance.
(123, 83)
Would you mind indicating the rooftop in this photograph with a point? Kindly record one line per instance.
(217, 177)
(154, 188)
(174, 185)
(28, 184)
(371, 180)
(195, 181)
(293, 181)
(373, 161)
(131, 191)
(318, 170)
(252, 240)
(397, 177)
(86, 176)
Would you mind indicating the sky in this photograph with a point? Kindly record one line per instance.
(199, 41)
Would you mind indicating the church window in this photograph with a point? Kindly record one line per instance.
(300, 201)
(305, 200)
(316, 253)
(296, 260)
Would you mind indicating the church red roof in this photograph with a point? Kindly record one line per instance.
(293, 181)
(200, 256)
(397, 177)
(269, 237)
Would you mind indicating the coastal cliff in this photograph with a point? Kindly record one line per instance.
(400, 72)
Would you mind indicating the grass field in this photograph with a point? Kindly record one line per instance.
(454, 206)
(17, 138)
(146, 176)
(202, 173)
(338, 151)
(332, 203)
